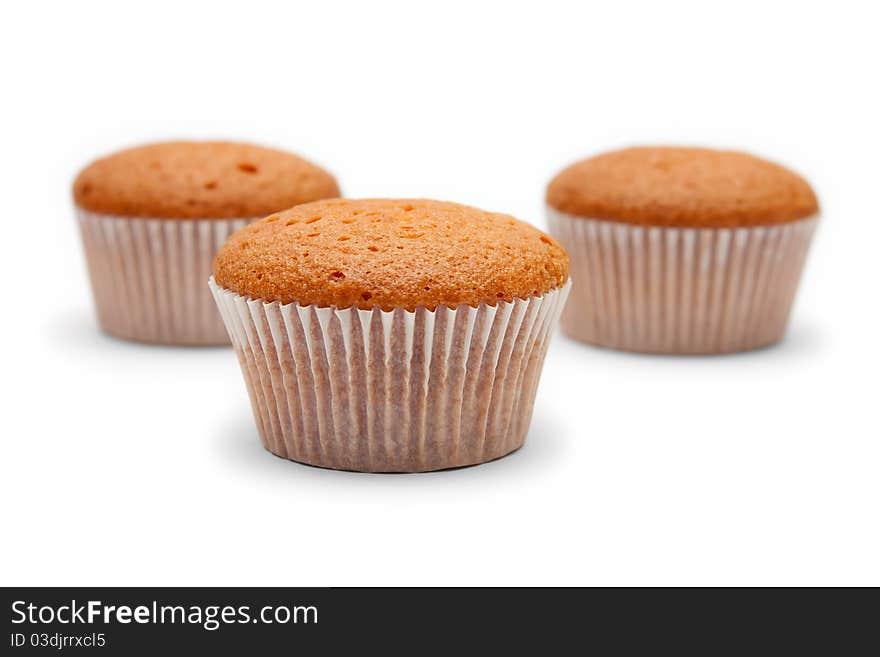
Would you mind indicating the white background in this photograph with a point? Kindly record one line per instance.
(125, 464)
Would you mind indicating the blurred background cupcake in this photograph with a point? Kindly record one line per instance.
(681, 250)
(153, 217)
(391, 335)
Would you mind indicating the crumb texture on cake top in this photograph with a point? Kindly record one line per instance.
(686, 187)
(390, 253)
(200, 180)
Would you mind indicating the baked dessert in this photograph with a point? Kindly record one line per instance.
(390, 335)
(152, 218)
(681, 250)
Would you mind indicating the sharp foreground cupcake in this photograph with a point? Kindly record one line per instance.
(153, 217)
(390, 335)
(681, 250)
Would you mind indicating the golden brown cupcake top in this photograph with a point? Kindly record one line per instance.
(200, 180)
(687, 187)
(390, 253)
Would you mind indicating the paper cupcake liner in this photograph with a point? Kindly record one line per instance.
(680, 290)
(395, 391)
(148, 276)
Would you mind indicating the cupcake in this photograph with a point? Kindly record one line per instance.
(153, 217)
(681, 250)
(390, 335)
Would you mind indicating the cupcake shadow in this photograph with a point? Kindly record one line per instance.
(799, 341)
(80, 329)
(239, 445)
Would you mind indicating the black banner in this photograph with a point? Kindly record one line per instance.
(405, 621)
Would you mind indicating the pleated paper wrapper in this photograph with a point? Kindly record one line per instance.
(680, 290)
(148, 276)
(391, 391)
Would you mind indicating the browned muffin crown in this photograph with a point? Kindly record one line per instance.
(687, 187)
(390, 253)
(200, 180)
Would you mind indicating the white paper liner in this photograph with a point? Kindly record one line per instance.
(680, 290)
(396, 391)
(148, 276)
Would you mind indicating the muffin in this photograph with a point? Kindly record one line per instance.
(388, 335)
(681, 250)
(153, 217)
